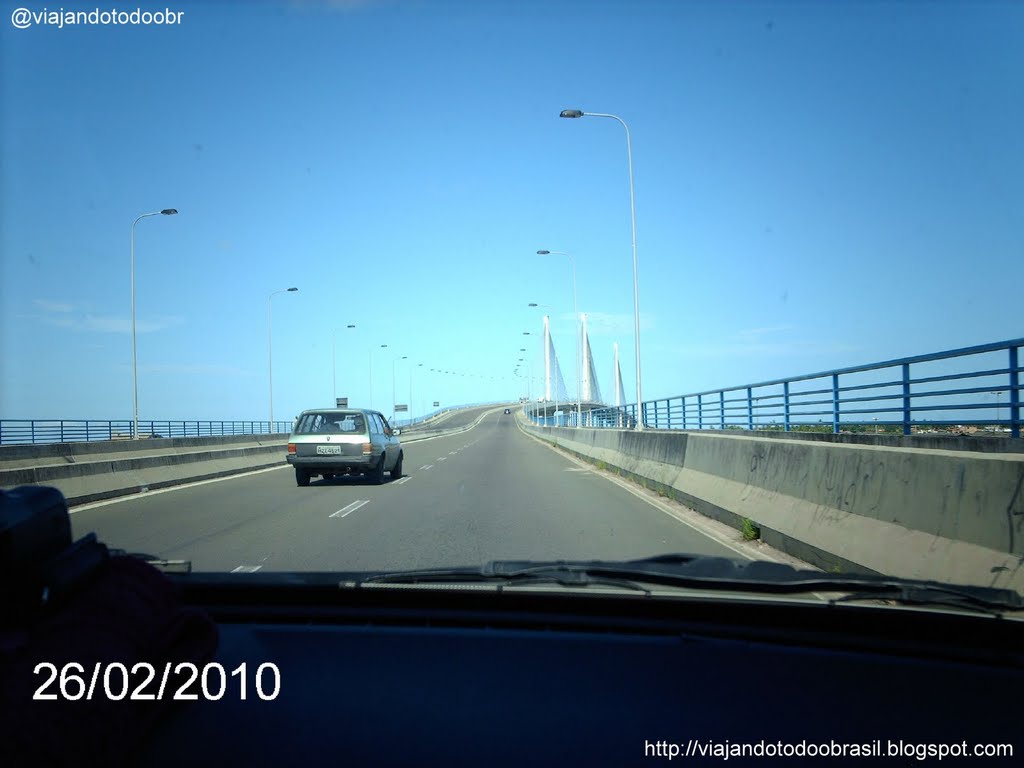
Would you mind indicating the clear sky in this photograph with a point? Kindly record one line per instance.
(817, 185)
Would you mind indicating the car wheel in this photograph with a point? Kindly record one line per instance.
(301, 477)
(377, 477)
(329, 476)
(396, 472)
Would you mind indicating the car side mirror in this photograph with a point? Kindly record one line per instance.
(397, 432)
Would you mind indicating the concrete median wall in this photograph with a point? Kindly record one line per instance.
(947, 515)
(86, 472)
(36, 455)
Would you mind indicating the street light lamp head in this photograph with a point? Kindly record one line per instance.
(571, 113)
(543, 253)
(292, 290)
(533, 304)
(169, 211)
(350, 326)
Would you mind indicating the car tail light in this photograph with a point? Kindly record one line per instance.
(367, 449)
(291, 447)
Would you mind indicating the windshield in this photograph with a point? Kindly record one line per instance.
(588, 281)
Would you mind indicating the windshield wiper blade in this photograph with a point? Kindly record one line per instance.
(717, 573)
(566, 577)
(934, 595)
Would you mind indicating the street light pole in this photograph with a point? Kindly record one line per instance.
(576, 312)
(270, 352)
(334, 362)
(394, 390)
(135, 377)
(574, 113)
(382, 346)
(412, 407)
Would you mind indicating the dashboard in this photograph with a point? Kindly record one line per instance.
(406, 676)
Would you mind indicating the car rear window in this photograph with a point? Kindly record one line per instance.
(330, 424)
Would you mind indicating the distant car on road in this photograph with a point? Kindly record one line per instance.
(335, 441)
(507, 410)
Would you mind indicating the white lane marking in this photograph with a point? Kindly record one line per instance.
(426, 466)
(246, 569)
(349, 509)
(452, 453)
(442, 458)
(575, 469)
(405, 479)
(135, 496)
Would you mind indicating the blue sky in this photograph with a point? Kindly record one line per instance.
(817, 186)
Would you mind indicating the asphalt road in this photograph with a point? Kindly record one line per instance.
(489, 493)
(455, 419)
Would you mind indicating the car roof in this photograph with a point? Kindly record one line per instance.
(339, 411)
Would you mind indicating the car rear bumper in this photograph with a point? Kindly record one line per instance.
(331, 463)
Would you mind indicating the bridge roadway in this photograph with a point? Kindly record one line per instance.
(492, 492)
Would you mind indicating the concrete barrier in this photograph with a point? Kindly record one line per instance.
(46, 453)
(947, 515)
(89, 475)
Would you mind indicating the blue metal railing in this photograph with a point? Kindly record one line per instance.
(30, 431)
(962, 388)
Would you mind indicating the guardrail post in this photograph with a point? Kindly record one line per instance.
(682, 400)
(700, 412)
(785, 406)
(62, 430)
(906, 398)
(32, 429)
(835, 403)
(750, 409)
(1014, 394)
(721, 408)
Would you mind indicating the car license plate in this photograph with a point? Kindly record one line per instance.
(329, 450)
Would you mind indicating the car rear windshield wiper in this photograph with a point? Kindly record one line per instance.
(713, 573)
